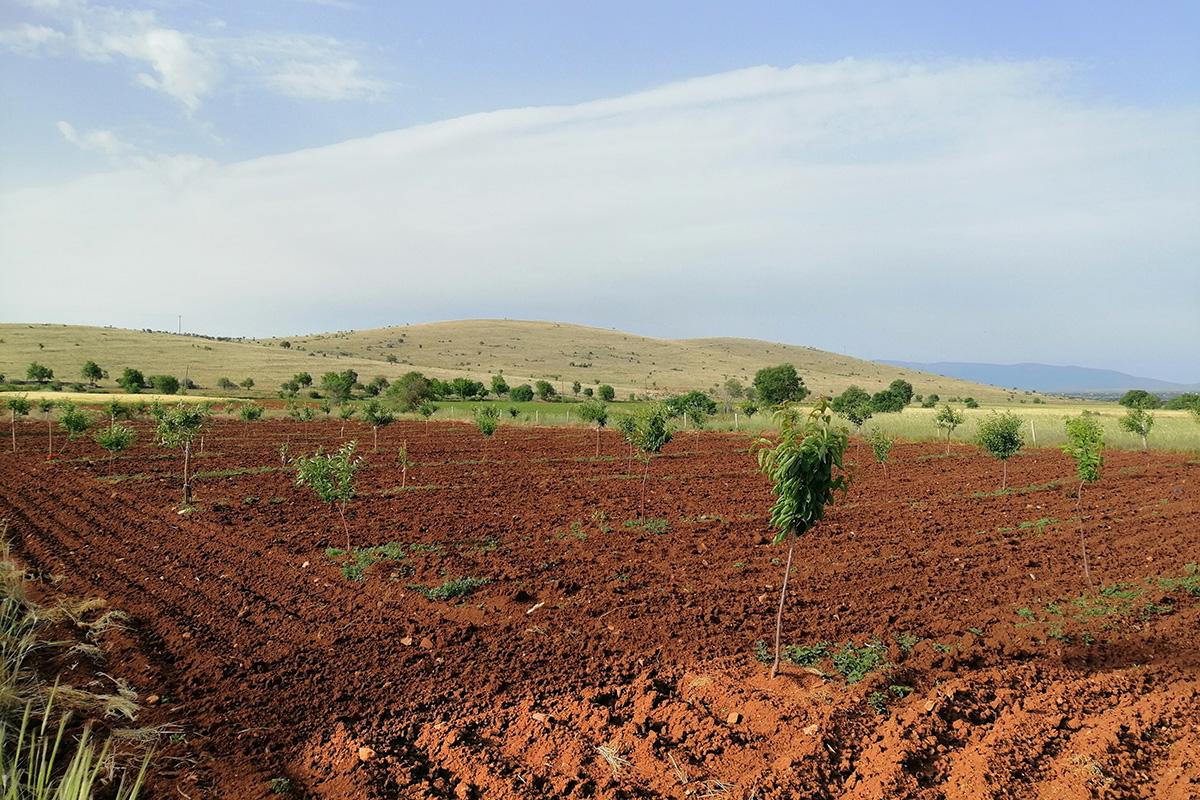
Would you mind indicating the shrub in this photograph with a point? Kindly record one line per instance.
(1000, 435)
(499, 385)
(487, 419)
(1140, 398)
(225, 383)
(116, 438)
(522, 393)
(970, 402)
(249, 412)
(544, 390)
(92, 373)
(131, 380)
(606, 393)
(805, 469)
(165, 384)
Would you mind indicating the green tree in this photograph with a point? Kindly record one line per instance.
(576, 388)
(606, 393)
(1140, 398)
(731, 391)
(332, 479)
(1000, 435)
(521, 394)
(499, 386)
(339, 385)
(165, 384)
(544, 390)
(948, 419)
(248, 383)
(805, 469)
(38, 372)
(902, 389)
(17, 407)
(781, 384)
(303, 379)
(887, 402)
(1085, 444)
(694, 405)
(225, 384)
(92, 373)
(410, 390)
(971, 402)
(178, 427)
(1138, 422)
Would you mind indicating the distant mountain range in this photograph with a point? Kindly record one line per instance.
(1043, 377)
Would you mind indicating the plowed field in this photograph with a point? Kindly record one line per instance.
(614, 657)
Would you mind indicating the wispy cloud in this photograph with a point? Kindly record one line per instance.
(974, 206)
(103, 141)
(189, 66)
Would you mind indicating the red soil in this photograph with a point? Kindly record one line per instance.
(595, 632)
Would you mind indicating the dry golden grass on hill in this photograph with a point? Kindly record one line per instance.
(522, 351)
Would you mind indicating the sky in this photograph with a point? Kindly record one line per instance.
(1000, 182)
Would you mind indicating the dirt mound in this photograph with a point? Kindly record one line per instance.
(942, 639)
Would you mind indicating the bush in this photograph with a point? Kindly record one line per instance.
(250, 412)
(544, 390)
(606, 392)
(38, 372)
(165, 384)
(1140, 398)
(522, 393)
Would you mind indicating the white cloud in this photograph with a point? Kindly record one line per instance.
(969, 206)
(330, 81)
(104, 141)
(189, 66)
(29, 40)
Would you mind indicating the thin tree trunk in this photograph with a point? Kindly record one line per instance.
(14, 430)
(782, 596)
(187, 487)
(1087, 573)
(345, 527)
(645, 476)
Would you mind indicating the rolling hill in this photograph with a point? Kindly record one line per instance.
(522, 351)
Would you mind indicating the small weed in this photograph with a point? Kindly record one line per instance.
(855, 663)
(762, 652)
(178, 738)
(651, 525)
(878, 702)
(363, 558)
(1027, 613)
(739, 565)
(280, 785)
(907, 641)
(1190, 582)
(941, 648)
(806, 655)
(452, 588)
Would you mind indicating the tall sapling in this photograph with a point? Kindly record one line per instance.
(1086, 445)
(805, 466)
(332, 479)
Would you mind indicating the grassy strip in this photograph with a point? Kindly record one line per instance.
(43, 754)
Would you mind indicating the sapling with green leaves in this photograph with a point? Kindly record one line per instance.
(805, 469)
(948, 419)
(594, 411)
(649, 434)
(47, 407)
(1000, 435)
(487, 419)
(377, 415)
(1085, 444)
(17, 407)
(116, 438)
(332, 479)
(881, 445)
(74, 420)
(178, 426)
(1137, 421)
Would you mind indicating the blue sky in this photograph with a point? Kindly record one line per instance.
(925, 181)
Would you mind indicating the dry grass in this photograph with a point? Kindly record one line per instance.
(522, 351)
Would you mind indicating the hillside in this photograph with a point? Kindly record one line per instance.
(522, 351)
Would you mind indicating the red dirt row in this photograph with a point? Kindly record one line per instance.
(609, 658)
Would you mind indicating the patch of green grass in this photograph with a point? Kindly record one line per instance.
(357, 562)
(227, 473)
(657, 526)
(1190, 582)
(806, 655)
(451, 588)
(855, 663)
